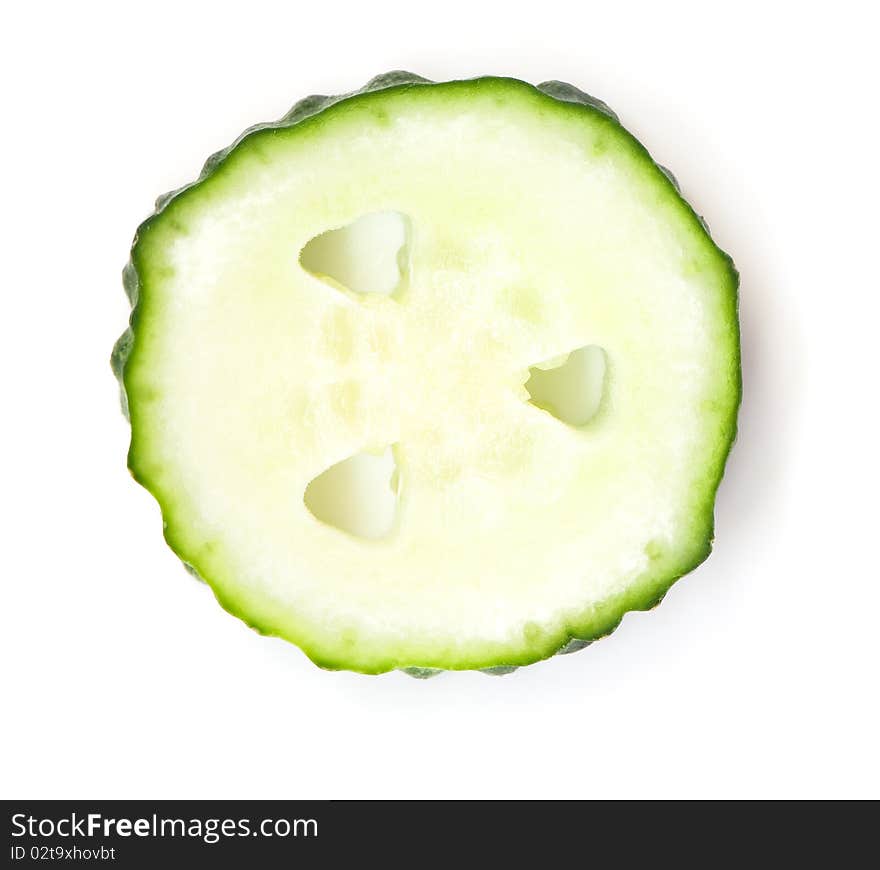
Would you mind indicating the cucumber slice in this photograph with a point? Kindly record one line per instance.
(433, 376)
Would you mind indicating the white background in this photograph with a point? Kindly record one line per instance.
(758, 674)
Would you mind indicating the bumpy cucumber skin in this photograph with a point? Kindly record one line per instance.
(646, 596)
